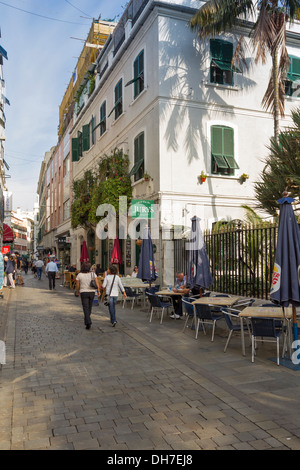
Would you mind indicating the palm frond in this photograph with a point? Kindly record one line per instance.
(217, 16)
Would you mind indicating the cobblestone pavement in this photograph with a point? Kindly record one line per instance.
(138, 386)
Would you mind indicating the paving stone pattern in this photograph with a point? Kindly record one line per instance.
(138, 386)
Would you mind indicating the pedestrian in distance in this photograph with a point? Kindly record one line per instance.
(86, 291)
(9, 271)
(5, 259)
(112, 283)
(39, 268)
(51, 270)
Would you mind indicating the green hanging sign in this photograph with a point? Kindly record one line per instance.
(142, 209)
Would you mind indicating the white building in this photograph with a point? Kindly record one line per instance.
(164, 97)
(3, 164)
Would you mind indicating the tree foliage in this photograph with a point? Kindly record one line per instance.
(282, 169)
(104, 184)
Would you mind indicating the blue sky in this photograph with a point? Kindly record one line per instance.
(41, 59)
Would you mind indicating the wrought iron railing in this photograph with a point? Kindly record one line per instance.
(241, 258)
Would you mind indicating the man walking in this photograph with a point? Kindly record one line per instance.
(51, 270)
(39, 268)
(9, 271)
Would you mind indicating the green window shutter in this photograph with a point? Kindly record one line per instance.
(118, 108)
(221, 57)
(222, 150)
(227, 51)
(85, 137)
(294, 70)
(75, 149)
(216, 140)
(216, 49)
(231, 162)
(138, 72)
(138, 168)
(79, 137)
(103, 118)
(221, 50)
(228, 148)
(92, 129)
(220, 161)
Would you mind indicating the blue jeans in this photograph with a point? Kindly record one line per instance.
(112, 308)
(39, 272)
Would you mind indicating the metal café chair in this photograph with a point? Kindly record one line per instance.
(188, 308)
(204, 314)
(263, 328)
(243, 303)
(157, 303)
(280, 325)
(233, 322)
(131, 295)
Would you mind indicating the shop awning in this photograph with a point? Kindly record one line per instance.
(8, 234)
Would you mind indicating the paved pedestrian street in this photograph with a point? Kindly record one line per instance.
(138, 386)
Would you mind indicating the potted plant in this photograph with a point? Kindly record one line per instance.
(244, 177)
(202, 177)
(146, 176)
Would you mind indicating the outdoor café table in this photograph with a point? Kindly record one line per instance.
(218, 301)
(265, 312)
(167, 292)
(214, 301)
(136, 284)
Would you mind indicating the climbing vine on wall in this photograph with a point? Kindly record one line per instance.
(104, 184)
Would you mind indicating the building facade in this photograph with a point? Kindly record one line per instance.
(3, 164)
(171, 102)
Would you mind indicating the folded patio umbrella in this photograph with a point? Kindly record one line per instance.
(84, 257)
(285, 288)
(199, 273)
(1, 271)
(116, 257)
(147, 268)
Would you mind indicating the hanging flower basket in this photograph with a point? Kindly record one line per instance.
(202, 177)
(244, 177)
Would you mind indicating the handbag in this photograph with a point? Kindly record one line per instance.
(93, 284)
(106, 297)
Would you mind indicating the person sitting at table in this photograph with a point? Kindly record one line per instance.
(181, 287)
(135, 272)
(72, 268)
(99, 270)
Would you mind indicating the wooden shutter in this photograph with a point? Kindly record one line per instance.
(75, 149)
(85, 137)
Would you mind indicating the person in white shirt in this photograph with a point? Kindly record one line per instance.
(135, 272)
(51, 270)
(112, 283)
(39, 268)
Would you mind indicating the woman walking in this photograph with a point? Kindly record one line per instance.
(87, 293)
(112, 283)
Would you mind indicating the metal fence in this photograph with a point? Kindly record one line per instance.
(241, 258)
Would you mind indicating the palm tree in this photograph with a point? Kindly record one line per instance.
(282, 169)
(267, 36)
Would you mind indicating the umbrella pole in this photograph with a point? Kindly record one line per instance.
(295, 326)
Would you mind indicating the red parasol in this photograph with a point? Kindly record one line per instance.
(8, 234)
(116, 257)
(84, 257)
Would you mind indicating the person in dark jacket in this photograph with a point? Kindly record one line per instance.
(10, 269)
